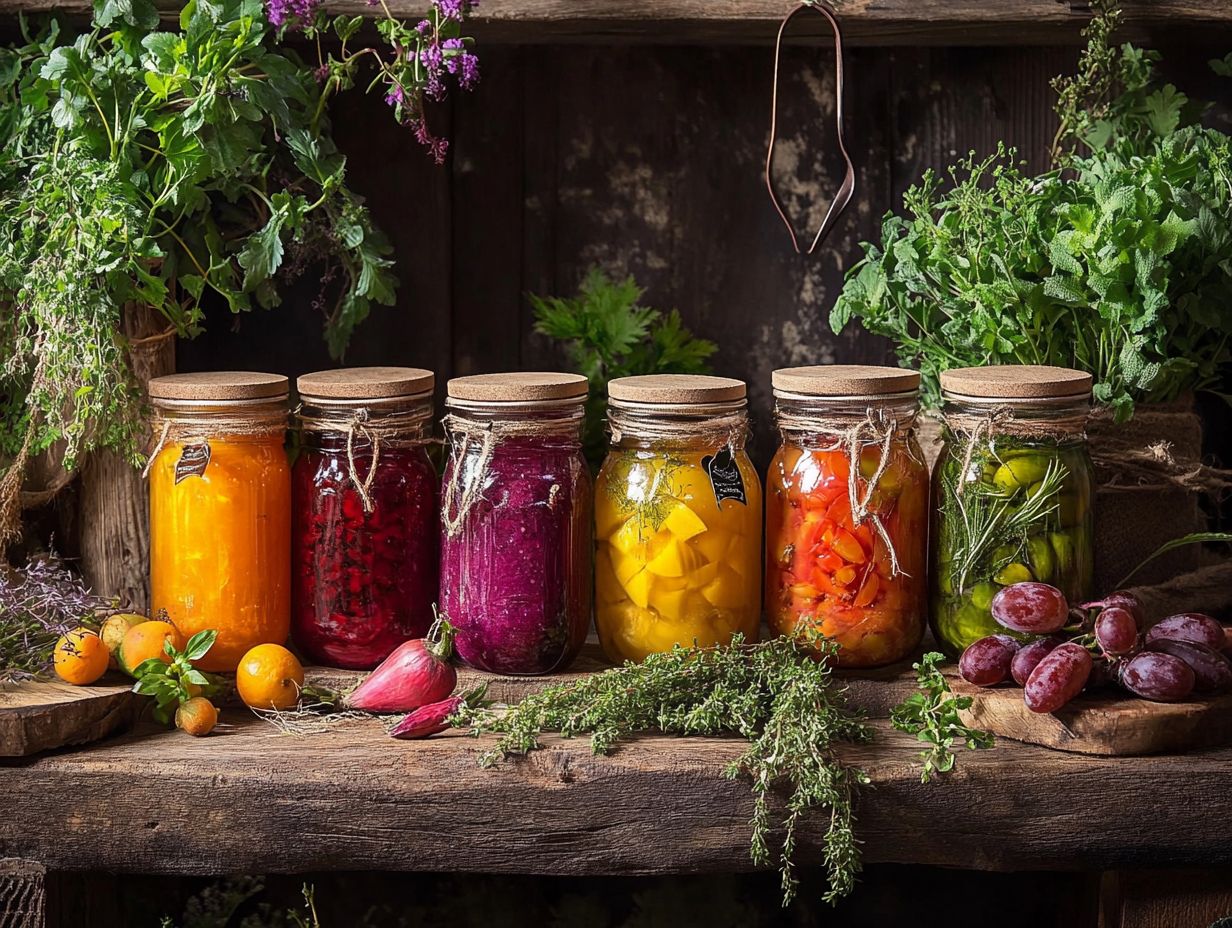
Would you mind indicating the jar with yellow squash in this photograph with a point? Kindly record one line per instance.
(220, 509)
(678, 517)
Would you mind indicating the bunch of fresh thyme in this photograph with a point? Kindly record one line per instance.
(39, 603)
(779, 694)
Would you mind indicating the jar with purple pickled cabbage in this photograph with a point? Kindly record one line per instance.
(365, 538)
(516, 521)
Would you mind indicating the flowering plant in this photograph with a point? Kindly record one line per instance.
(418, 65)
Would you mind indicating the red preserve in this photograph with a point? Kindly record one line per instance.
(365, 542)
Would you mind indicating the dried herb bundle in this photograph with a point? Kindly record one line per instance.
(776, 694)
(39, 603)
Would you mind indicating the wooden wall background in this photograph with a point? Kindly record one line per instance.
(647, 160)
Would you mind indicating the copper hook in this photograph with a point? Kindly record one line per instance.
(848, 186)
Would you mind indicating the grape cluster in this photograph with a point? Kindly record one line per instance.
(1054, 652)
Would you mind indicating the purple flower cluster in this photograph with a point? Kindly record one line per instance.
(455, 9)
(280, 12)
(437, 146)
(463, 64)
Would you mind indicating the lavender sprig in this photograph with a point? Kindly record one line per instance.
(39, 603)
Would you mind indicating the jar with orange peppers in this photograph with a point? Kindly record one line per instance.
(220, 509)
(847, 511)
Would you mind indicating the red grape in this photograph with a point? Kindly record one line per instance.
(1029, 655)
(1116, 631)
(986, 662)
(1034, 608)
(1189, 626)
(1124, 600)
(1159, 677)
(1058, 678)
(1212, 671)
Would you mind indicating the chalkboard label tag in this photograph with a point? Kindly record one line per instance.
(194, 459)
(725, 477)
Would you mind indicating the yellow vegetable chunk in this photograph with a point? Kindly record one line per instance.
(713, 546)
(727, 591)
(683, 522)
(626, 566)
(607, 585)
(608, 518)
(632, 536)
(638, 588)
(670, 604)
(675, 560)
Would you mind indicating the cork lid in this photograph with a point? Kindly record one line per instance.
(219, 386)
(1016, 382)
(366, 383)
(676, 389)
(845, 380)
(518, 387)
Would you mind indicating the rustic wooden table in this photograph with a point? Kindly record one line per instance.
(250, 799)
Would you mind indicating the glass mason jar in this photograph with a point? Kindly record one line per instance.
(364, 532)
(847, 558)
(220, 509)
(1011, 493)
(678, 517)
(516, 521)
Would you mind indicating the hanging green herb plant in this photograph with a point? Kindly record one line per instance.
(1114, 262)
(169, 169)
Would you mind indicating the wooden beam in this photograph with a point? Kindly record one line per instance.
(874, 22)
(250, 800)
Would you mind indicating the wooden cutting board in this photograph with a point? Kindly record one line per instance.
(1110, 724)
(42, 716)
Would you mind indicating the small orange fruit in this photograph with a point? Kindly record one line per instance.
(269, 677)
(114, 630)
(80, 657)
(197, 716)
(141, 642)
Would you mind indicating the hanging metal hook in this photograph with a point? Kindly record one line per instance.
(847, 188)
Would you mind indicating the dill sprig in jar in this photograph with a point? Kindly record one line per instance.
(1012, 493)
(678, 517)
(365, 529)
(516, 521)
(847, 512)
(220, 509)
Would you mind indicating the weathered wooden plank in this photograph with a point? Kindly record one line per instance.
(248, 800)
(883, 22)
(43, 716)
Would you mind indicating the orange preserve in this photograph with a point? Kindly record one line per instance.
(847, 512)
(220, 509)
(677, 518)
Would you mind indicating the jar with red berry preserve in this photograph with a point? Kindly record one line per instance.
(365, 498)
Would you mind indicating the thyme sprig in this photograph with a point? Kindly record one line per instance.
(932, 715)
(987, 519)
(774, 693)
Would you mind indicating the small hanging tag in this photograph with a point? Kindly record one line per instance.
(848, 187)
(194, 459)
(725, 478)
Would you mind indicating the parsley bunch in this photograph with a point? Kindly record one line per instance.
(158, 168)
(607, 334)
(1114, 262)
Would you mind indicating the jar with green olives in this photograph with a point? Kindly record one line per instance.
(1011, 493)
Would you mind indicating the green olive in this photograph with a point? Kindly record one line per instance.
(1043, 560)
(1020, 472)
(982, 594)
(1014, 573)
(1005, 553)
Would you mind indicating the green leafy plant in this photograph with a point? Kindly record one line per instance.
(1114, 262)
(932, 715)
(778, 694)
(173, 682)
(606, 334)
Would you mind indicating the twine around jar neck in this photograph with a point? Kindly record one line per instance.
(876, 428)
(460, 493)
(973, 429)
(401, 429)
(188, 426)
(727, 427)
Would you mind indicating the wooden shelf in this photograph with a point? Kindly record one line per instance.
(248, 799)
(876, 22)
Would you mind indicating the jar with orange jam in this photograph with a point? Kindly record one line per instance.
(220, 509)
(847, 512)
(677, 516)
